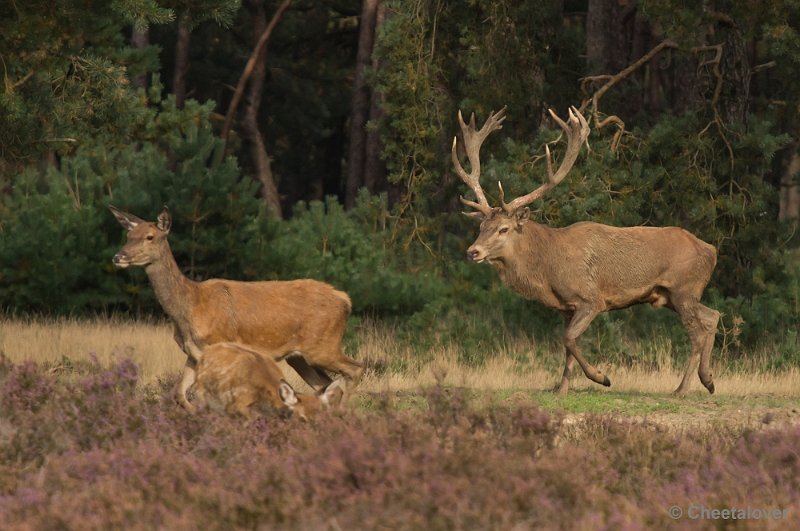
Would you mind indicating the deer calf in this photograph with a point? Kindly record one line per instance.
(236, 379)
(302, 321)
(588, 268)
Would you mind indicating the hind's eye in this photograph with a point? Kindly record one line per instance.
(149, 236)
(503, 230)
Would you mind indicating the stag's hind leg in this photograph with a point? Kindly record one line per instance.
(701, 325)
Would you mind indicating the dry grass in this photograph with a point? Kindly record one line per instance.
(151, 345)
(47, 342)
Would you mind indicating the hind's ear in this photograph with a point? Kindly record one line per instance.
(164, 220)
(287, 394)
(128, 221)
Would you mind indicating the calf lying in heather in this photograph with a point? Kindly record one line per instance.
(235, 379)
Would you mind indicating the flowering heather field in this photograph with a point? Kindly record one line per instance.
(88, 447)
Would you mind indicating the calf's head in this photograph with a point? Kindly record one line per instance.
(306, 406)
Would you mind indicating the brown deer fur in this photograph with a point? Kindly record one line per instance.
(588, 268)
(239, 380)
(300, 320)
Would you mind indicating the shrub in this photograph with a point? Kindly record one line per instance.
(138, 462)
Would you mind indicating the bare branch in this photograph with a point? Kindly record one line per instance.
(577, 132)
(610, 81)
(248, 70)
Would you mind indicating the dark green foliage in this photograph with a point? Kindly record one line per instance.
(65, 79)
(57, 237)
(74, 137)
(353, 252)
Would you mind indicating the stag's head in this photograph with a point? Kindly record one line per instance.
(147, 241)
(501, 225)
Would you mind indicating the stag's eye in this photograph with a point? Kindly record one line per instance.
(503, 230)
(149, 237)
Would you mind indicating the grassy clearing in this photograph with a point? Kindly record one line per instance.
(394, 369)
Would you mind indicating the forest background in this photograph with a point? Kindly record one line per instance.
(311, 139)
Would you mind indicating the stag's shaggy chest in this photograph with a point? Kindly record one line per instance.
(529, 282)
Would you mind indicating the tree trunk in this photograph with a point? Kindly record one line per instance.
(249, 123)
(605, 49)
(360, 104)
(735, 69)
(140, 39)
(374, 166)
(181, 62)
(790, 185)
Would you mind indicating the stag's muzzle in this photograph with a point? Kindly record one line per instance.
(476, 254)
(121, 260)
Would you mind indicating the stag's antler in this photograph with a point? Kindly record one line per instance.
(577, 131)
(472, 145)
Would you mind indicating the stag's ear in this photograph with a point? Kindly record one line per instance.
(128, 221)
(287, 394)
(477, 216)
(522, 215)
(164, 219)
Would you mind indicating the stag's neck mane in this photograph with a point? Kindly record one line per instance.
(173, 290)
(524, 267)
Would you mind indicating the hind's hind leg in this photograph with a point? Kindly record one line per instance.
(315, 378)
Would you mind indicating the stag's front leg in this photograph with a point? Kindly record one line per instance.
(563, 388)
(578, 324)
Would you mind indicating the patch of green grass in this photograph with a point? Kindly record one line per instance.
(592, 401)
(596, 401)
(631, 403)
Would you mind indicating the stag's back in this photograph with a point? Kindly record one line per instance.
(619, 266)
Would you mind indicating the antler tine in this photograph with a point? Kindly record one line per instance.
(577, 133)
(502, 196)
(482, 205)
(473, 139)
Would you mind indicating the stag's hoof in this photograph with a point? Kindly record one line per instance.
(606, 381)
(710, 387)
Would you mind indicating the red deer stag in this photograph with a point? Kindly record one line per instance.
(236, 379)
(300, 320)
(588, 268)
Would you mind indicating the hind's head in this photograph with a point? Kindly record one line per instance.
(147, 241)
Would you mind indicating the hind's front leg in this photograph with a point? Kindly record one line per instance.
(187, 380)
